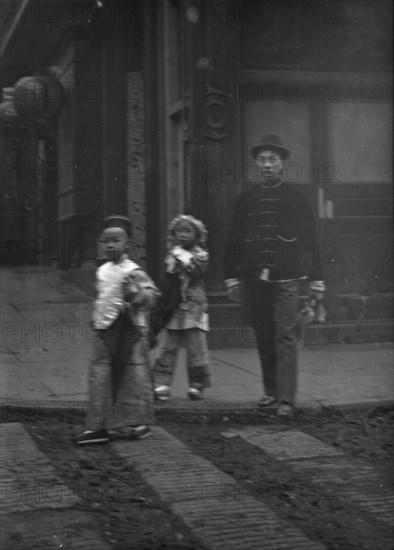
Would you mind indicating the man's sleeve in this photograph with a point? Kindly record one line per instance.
(309, 240)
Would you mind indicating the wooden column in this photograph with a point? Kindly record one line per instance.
(154, 225)
(215, 141)
(113, 105)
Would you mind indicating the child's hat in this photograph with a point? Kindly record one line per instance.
(118, 221)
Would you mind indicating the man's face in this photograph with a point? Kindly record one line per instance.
(271, 165)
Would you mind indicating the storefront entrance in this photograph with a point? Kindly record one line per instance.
(340, 142)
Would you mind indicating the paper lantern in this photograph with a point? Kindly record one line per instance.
(8, 114)
(10, 123)
(38, 97)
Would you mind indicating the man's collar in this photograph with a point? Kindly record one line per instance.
(271, 186)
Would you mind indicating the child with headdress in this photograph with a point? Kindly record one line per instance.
(120, 385)
(184, 308)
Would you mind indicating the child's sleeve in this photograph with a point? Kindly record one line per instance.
(194, 263)
(198, 264)
(142, 289)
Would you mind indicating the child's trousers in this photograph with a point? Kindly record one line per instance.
(198, 367)
(120, 386)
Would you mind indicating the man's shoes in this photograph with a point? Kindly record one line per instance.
(286, 410)
(90, 437)
(195, 393)
(162, 393)
(140, 432)
(267, 401)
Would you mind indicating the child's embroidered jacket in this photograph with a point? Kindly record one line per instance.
(123, 286)
(191, 267)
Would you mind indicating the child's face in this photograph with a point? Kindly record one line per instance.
(115, 240)
(185, 234)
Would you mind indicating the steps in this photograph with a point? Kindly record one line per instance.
(364, 320)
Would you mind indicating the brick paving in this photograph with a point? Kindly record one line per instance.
(209, 501)
(287, 445)
(33, 495)
(347, 479)
(28, 480)
(220, 512)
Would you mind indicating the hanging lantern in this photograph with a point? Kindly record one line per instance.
(8, 114)
(10, 123)
(38, 97)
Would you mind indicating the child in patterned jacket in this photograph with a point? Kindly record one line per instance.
(120, 386)
(186, 265)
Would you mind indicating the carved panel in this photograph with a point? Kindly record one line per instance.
(136, 163)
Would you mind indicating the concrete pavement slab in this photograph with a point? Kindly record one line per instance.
(328, 374)
(47, 340)
(38, 284)
(40, 382)
(325, 376)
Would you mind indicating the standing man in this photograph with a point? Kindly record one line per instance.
(272, 246)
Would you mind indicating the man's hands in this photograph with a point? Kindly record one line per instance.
(316, 293)
(317, 290)
(233, 287)
(316, 296)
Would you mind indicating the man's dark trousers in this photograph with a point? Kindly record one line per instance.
(273, 310)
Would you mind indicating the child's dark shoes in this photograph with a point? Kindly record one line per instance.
(267, 401)
(195, 393)
(89, 437)
(140, 432)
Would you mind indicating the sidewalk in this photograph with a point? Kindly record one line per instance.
(46, 344)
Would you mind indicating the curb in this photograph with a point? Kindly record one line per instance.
(42, 410)
(208, 410)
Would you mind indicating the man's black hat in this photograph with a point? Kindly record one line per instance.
(118, 221)
(270, 142)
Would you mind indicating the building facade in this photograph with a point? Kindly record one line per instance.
(162, 102)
